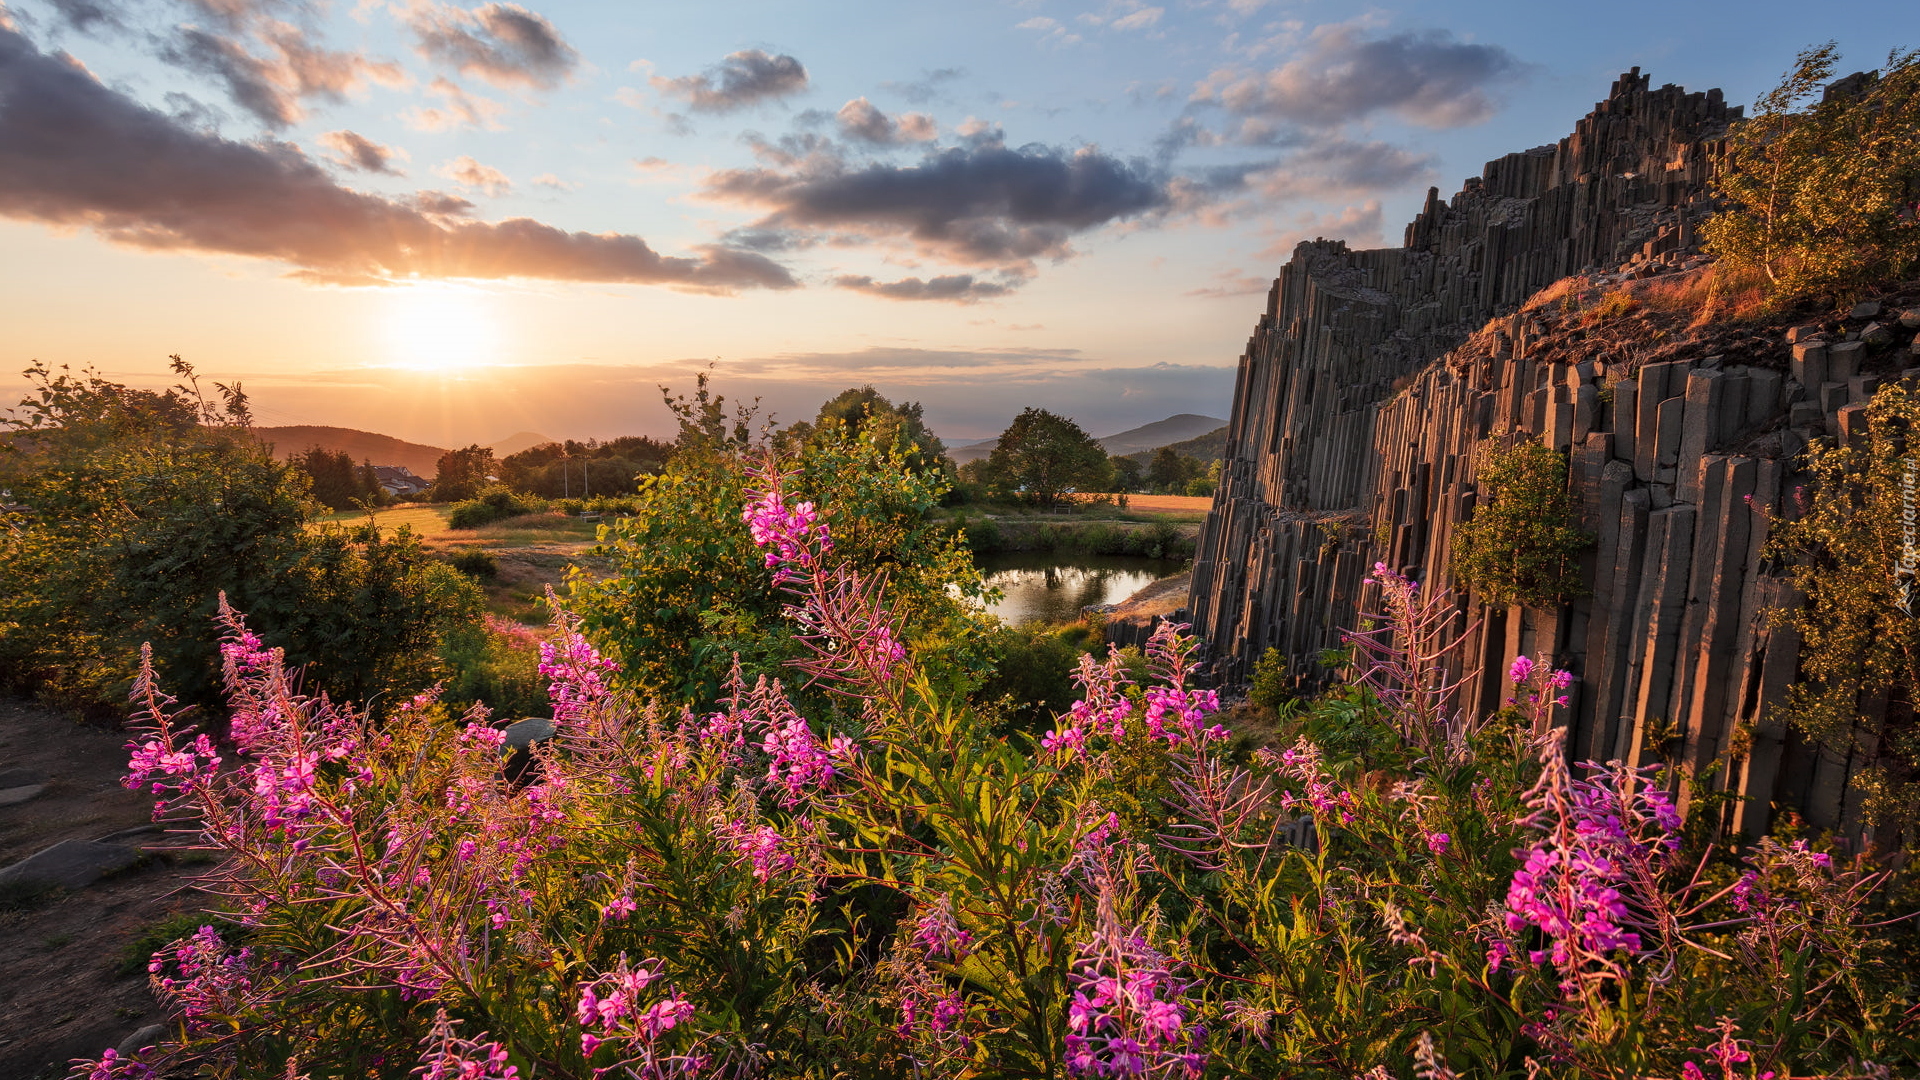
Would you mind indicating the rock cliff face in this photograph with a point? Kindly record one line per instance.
(1373, 376)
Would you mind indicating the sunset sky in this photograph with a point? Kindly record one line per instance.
(450, 223)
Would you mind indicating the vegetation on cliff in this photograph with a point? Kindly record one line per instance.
(1852, 548)
(1521, 546)
(1824, 197)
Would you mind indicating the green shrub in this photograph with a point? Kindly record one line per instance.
(1851, 553)
(495, 663)
(476, 563)
(1270, 688)
(496, 502)
(1521, 547)
(1821, 197)
(146, 508)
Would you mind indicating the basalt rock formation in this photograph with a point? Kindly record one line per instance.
(1374, 376)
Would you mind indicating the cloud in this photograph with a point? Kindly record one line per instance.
(459, 109)
(85, 15)
(502, 44)
(1230, 283)
(978, 205)
(274, 86)
(1324, 168)
(1359, 226)
(1050, 30)
(1424, 77)
(355, 151)
(74, 153)
(1143, 19)
(951, 288)
(861, 121)
(550, 180)
(742, 79)
(467, 172)
(925, 88)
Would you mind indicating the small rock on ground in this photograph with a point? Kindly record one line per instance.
(14, 796)
(69, 864)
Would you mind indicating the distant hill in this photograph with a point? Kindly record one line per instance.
(292, 441)
(518, 441)
(1147, 437)
(1161, 433)
(1207, 447)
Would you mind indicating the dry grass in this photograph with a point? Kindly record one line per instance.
(1710, 295)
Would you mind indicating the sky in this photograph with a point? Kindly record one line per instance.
(451, 222)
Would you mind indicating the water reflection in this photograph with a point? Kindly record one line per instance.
(1052, 588)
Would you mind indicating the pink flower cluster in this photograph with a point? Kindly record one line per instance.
(202, 978)
(1128, 1016)
(616, 1005)
(937, 933)
(794, 536)
(166, 769)
(112, 1065)
(761, 846)
(577, 675)
(1103, 708)
(1302, 764)
(450, 1057)
(1607, 834)
(1188, 709)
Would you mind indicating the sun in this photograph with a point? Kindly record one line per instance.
(440, 328)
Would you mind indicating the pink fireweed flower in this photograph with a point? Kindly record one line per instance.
(1438, 842)
(449, 1057)
(794, 536)
(577, 675)
(160, 768)
(1520, 671)
(1606, 836)
(1189, 710)
(201, 978)
(937, 933)
(1129, 1015)
(613, 1008)
(113, 1065)
(1302, 764)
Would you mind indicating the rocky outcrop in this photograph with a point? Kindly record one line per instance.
(1373, 377)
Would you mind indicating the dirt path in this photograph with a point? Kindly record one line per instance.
(61, 991)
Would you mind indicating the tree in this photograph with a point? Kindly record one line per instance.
(1127, 474)
(1521, 545)
(1851, 550)
(336, 481)
(1042, 456)
(853, 413)
(460, 474)
(139, 509)
(1825, 197)
(690, 591)
(1171, 470)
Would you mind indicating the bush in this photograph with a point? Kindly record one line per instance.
(476, 563)
(883, 884)
(495, 663)
(1823, 197)
(1521, 546)
(496, 502)
(1271, 688)
(145, 508)
(1850, 547)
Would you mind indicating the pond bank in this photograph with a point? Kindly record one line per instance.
(1133, 620)
(1150, 539)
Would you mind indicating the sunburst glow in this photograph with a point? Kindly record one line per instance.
(441, 328)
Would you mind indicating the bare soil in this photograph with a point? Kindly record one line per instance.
(61, 993)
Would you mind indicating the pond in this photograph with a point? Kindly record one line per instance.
(1053, 588)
